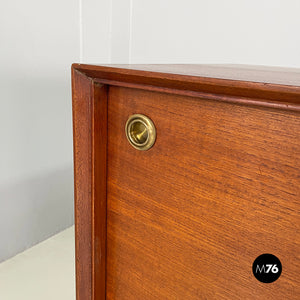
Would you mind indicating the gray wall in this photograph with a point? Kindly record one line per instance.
(257, 32)
(34, 209)
(39, 41)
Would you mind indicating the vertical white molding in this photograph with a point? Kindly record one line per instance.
(80, 32)
(96, 18)
(110, 29)
(121, 31)
(130, 32)
(105, 31)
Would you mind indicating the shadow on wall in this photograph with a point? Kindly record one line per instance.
(35, 209)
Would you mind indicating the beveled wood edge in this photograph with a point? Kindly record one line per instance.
(99, 198)
(89, 106)
(285, 97)
(207, 96)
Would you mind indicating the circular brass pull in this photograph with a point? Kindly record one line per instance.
(140, 132)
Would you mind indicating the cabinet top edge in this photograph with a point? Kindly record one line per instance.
(247, 73)
(271, 86)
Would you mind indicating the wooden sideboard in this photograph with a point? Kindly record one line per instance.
(220, 186)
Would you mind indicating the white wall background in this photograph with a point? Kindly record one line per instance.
(38, 42)
(257, 32)
(40, 39)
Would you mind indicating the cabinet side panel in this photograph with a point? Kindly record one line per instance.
(89, 130)
(81, 88)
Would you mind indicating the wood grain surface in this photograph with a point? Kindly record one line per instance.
(81, 88)
(90, 148)
(187, 218)
(249, 73)
(278, 87)
(98, 195)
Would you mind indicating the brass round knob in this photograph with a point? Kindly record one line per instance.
(140, 132)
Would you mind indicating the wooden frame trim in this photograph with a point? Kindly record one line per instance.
(90, 127)
(208, 96)
(265, 94)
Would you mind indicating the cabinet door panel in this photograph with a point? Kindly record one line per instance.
(187, 218)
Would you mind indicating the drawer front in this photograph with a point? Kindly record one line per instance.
(187, 218)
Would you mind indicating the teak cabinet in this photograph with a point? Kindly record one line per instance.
(220, 186)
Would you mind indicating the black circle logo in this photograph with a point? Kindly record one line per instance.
(267, 268)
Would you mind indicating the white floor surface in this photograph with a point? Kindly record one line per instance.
(43, 272)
